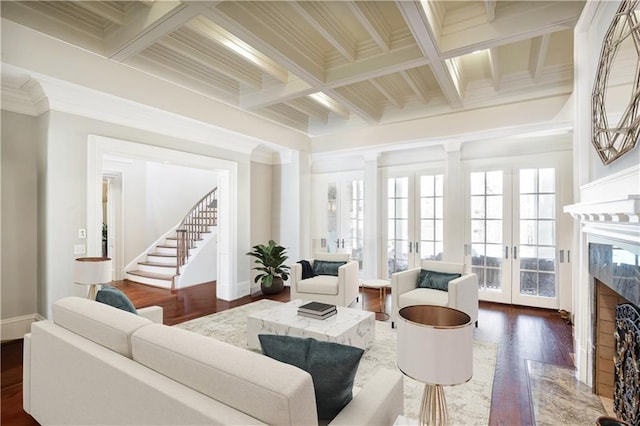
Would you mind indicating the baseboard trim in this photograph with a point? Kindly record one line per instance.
(16, 327)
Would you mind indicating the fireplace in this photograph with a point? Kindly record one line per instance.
(616, 327)
(607, 244)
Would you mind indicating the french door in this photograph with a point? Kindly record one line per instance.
(337, 220)
(512, 235)
(345, 217)
(415, 220)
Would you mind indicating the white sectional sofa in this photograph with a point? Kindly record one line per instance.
(94, 364)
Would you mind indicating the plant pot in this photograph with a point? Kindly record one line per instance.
(276, 287)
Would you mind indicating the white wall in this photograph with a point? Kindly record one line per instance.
(65, 205)
(261, 211)
(19, 239)
(171, 191)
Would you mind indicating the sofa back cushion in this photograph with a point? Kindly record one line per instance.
(268, 390)
(447, 267)
(332, 257)
(100, 323)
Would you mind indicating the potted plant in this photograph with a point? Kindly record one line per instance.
(272, 270)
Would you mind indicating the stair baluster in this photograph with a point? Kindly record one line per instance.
(193, 225)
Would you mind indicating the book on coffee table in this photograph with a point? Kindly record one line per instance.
(316, 308)
(316, 316)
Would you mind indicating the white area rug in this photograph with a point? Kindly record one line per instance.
(469, 403)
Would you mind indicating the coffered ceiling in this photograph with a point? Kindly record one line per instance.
(321, 66)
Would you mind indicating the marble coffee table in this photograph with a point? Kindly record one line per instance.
(352, 327)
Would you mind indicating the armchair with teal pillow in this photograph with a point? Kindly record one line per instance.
(435, 283)
(336, 280)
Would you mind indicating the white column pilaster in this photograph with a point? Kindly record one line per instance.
(370, 268)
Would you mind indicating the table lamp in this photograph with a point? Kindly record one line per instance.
(92, 271)
(435, 347)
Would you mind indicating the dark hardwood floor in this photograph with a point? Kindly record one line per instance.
(521, 334)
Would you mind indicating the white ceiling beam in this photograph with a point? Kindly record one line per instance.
(539, 50)
(376, 66)
(181, 48)
(413, 79)
(384, 89)
(331, 104)
(319, 17)
(372, 22)
(224, 38)
(307, 108)
(294, 88)
(146, 25)
(520, 21)
(494, 66)
(490, 7)
(416, 19)
(103, 9)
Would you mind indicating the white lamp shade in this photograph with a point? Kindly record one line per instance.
(435, 344)
(92, 270)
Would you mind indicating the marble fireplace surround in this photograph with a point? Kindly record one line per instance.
(608, 214)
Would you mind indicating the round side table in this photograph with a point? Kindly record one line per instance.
(382, 286)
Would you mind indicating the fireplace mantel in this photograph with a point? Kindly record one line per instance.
(610, 207)
(626, 210)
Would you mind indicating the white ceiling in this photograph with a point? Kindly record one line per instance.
(323, 66)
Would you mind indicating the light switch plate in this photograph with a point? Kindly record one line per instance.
(79, 249)
(82, 233)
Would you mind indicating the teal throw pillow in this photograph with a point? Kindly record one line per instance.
(435, 280)
(332, 367)
(325, 267)
(116, 298)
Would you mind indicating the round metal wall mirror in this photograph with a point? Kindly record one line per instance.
(620, 47)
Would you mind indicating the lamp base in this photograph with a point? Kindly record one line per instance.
(92, 292)
(433, 410)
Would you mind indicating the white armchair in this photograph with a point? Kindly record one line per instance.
(462, 292)
(342, 290)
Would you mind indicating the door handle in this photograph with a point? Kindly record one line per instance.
(343, 243)
(417, 247)
(410, 245)
(515, 253)
(561, 256)
(506, 252)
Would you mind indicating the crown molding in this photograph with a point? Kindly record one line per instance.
(74, 99)
(27, 99)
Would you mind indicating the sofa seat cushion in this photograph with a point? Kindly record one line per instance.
(423, 296)
(265, 389)
(321, 284)
(98, 322)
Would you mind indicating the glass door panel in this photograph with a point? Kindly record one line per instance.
(487, 231)
(431, 235)
(397, 224)
(415, 216)
(535, 264)
(332, 218)
(353, 229)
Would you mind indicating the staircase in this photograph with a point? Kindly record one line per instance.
(164, 262)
